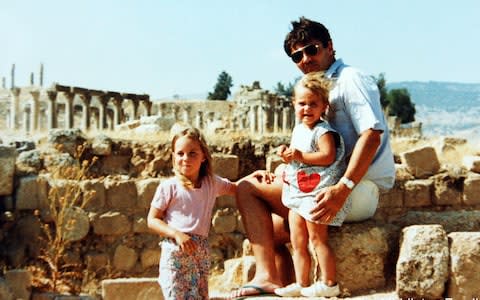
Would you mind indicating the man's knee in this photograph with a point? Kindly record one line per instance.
(364, 201)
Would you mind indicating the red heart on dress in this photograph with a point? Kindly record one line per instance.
(306, 183)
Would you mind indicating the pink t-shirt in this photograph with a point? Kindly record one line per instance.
(189, 210)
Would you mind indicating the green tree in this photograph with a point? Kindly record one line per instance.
(221, 91)
(400, 105)
(382, 87)
(286, 90)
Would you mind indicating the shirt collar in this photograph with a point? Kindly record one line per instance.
(334, 68)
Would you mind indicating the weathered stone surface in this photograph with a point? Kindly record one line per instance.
(121, 193)
(67, 140)
(124, 258)
(150, 258)
(76, 224)
(7, 169)
(238, 271)
(361, 251)
(447, 189)
(29, 162)
(20, 283)
(140, 225)
(96, 261)
(101, 145)
(111, 223)
(472, 163)
(115, 164)
(29, 194)
(451, 221)
(226, 165)
(471, 189)
(93, 193)
(418, 192)
(422, 266)
(226, 201)
(421, 162)
(391, 198)
(402, 174)
(146, 190)
(5, 292)
(464, 265)
(224, 221)
(131, 288)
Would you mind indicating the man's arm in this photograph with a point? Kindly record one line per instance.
(331, 199)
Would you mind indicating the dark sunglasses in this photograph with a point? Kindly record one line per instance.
(310, 50)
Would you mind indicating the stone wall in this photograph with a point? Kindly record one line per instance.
(110, 239)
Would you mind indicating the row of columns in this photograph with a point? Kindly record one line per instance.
(32, 108)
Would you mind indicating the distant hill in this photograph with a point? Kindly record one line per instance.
(445, 108)
(441, 94)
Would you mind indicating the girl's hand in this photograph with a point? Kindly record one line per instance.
(281, 149)
(185, 242)
(291, 154)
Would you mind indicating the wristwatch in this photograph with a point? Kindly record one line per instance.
(347, 182)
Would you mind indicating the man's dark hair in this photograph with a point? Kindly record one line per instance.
(303, 32)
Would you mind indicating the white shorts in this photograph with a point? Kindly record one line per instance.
(364, 201)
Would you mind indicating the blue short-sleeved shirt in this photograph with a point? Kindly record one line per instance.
(354, 108)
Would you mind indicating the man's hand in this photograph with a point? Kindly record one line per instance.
(263, 176)
(329, 201)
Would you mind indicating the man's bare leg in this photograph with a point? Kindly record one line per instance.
(256, 201)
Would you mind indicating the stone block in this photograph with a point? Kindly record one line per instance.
(362, 251)
(464, 265)
(447, 189)
(121, 193)
(226, 165)
(224, 221)
(146, 190)
(124, 258)
(76, 224)
(111, 223)
(391, 198)
(471, 189)
(418, 192)
(115, 164)
(20, 283)
(96, 261)
(150, 257)
(421, 162)
(422, 266)
(226, 201)
(93, 192)
(131, 288)
(451, 221)
(140, 225)
(472, 163)
(28, 194)
(101, 145)
(7, 169)
(5, 292)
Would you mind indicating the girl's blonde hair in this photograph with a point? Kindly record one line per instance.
(318, 83)
(206, 166)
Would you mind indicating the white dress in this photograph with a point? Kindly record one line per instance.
(301, 182)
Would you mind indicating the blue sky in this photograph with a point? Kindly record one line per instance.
(163, 48)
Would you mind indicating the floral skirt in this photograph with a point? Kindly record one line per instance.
(184, 276)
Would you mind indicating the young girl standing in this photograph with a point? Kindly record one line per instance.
(181, 211)
(315, 160)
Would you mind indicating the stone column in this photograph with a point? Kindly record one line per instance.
(276, 113)
(161, 110)
(285, 121)
(69, 109)
(253, 119)
(34, 111)
(186, 115)
(148, 106)
(102, 111)
(199, 120)
(135, 104)
(26, 118)
(175, 113)
(117, 111)
(51, 109)
(13, 77)
(86, 100)
(264, 119)
(14, 107)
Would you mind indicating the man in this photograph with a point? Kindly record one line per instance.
(356, 113)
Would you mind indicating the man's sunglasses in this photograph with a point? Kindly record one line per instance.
(310, 50)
